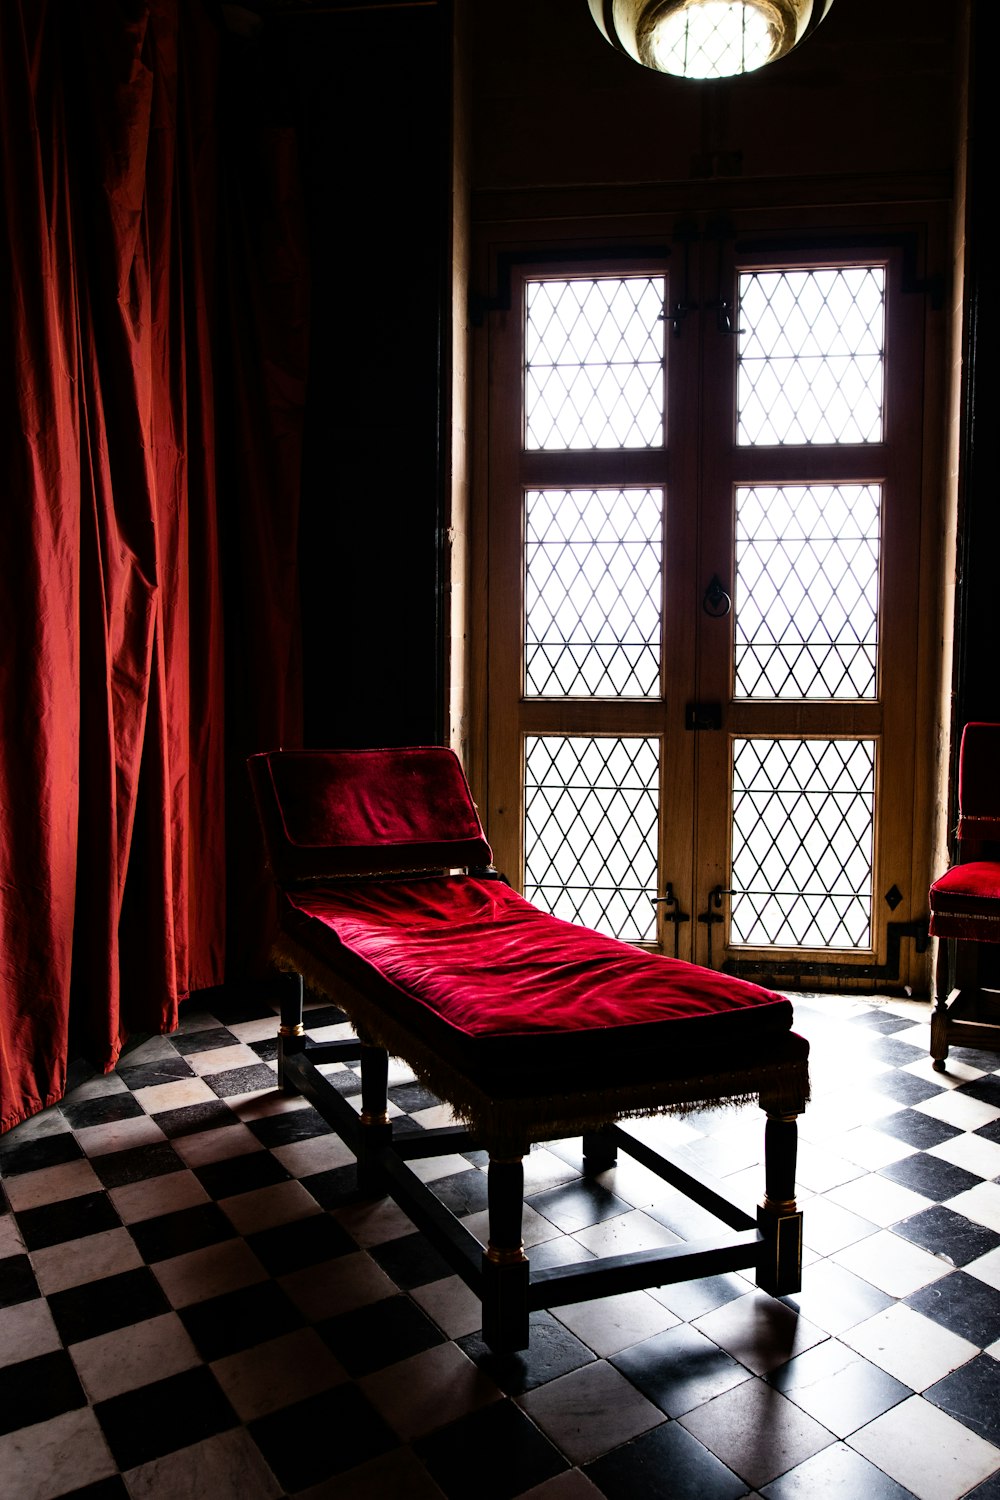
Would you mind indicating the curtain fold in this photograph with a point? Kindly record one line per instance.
(115, 699)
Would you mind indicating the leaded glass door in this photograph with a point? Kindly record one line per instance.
(703, 559)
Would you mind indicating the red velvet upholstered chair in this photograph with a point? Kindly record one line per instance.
(965, 902)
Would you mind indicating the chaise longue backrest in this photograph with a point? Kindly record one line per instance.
(331, 813)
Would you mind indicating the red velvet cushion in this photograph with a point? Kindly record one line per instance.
(335, 812)
(479, 957)
(979, 782)
(965, 902)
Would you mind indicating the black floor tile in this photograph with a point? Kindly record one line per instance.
(553, 1351)
(963, 1304)
(916, 1128)
(232, 1010)
(990, 1132)
(318, 1016)
(987, 1090)
(102, 1111)
(161, 1070)
(295, 1125)
(977, 1057)
(372, 1337)
(37, 1389)
(17, 1281)
(690, 1299)
(491, 1454)
(69, 1219)
(241, 1174)
(881, 1021)
(137, 1164)
(112, 1488)
(334, 1188)
(192, 1119)
(906, 1087)
(944, 1232)
(464, 1193)
(251, 1079)
(988, 1490)
(889, 1050)
(33, 1156)
(679, 1369)
(160, 1418)
(972, 1395)
(929, 1175)
(177, 1233)
(238, 1320)
(266, 1050)
(410, 1261)
(308, 1442)
(578, 1205)
(665, 1464)
(209, 1040)
(409, 1097)
(303, 1242)
(83, 1312)
(345, 1081)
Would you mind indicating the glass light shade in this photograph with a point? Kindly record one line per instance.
(707, 38)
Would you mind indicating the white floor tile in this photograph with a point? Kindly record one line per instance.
(891, 1263)
(419, 1394)
(878, 1199)
(981, 1204)
(960, 1110)
(972, 1152)
(926, 1451)
(611, 1324)
(987, 1268)
(908, 1345)
(590, 1410)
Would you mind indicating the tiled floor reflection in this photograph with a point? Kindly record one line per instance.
(194, 1303)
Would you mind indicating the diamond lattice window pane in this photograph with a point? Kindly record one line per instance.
(592, 593)
(811, 356)
(593, 363)
(807, 591)
(591, 814)
(802, 837)
(715, 39)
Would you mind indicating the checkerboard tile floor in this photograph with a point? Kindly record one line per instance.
(194, 1303)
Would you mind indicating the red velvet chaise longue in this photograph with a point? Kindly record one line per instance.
(529, 1027)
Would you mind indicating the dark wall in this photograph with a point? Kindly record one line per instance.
(372, 95)
(977, 655)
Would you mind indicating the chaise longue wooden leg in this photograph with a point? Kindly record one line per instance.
(376, 1127)
(505, 1265)
(599, 1152)
(779, 1264)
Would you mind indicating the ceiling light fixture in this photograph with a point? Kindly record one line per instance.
(707, 38)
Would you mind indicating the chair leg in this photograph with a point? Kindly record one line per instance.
(505, 1265)
(375, 1126)
(291, 1032)
(943, 983)
(779, 1265)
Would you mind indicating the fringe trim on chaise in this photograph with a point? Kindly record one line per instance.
(510, 1123)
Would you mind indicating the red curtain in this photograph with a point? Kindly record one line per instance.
(124, 711)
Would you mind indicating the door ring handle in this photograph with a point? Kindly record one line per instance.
(716, 602)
